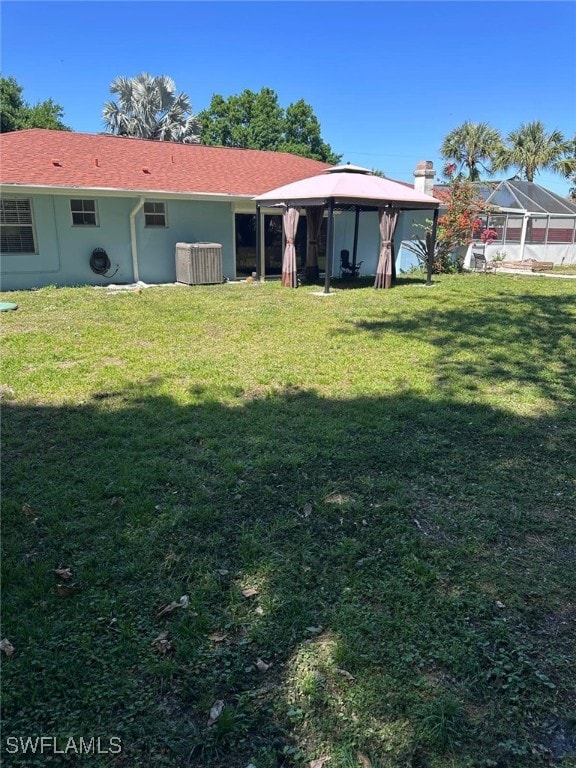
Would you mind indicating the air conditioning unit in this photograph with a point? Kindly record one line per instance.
(199, 263)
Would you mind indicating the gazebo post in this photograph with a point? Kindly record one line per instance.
(432, 247)
(355, 246)
(329, 246)
(259, 271)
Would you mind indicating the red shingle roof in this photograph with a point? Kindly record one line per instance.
(63, 159)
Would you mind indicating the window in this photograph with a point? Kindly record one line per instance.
(561, 230)
(16, 227)
(84, 213)
(155, 214)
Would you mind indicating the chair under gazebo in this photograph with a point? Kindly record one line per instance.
(344, 187)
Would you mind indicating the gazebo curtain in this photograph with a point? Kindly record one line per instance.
(314, 216)
(290, 220)
(388, 219)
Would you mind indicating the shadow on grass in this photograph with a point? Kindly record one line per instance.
(411, 562)
(539, 352)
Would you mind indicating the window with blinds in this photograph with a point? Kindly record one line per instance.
(16, 227)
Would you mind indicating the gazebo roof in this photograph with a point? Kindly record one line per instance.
(348, 185)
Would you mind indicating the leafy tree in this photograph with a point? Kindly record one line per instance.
(472, 146)
(148, 107)
(250, 120)
(456, 228)
(257, 121)
(16, 114)
(302, 134)
(530, 149)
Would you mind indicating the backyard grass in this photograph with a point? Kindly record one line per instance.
(245, 525)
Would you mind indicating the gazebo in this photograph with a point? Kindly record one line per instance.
(344, 188)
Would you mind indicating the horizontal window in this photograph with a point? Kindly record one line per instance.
(84, 213)
(155, 214)
(16, 227)
(560, 230)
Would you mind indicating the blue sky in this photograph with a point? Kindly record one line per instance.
(387, 80)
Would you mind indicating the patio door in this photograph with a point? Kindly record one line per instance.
(245, 235)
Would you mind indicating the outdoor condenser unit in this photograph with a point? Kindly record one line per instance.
(199, 263)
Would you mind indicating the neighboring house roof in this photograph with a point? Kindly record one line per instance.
(44, 158)
(530, 197)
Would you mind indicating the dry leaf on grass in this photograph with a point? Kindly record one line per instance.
(319, 762)
(345, 674)
(216, 711)
(6, 647)
(162, 644)
(62, 572)
(184, 602)
(218, 637)
(28, 510)
(67, 590)
(364, 760)
(262, 666)
(250, 592)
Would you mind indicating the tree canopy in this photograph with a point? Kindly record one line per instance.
(472, 146)
(531, 149)
(148, 107)
(16, 114)
(257, 121)
(476, 148)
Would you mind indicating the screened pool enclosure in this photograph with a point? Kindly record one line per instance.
(527, 222)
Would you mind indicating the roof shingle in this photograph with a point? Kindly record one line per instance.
(39, 157)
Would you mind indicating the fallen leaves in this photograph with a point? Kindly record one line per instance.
(215, 711)
(346, 674)
(364, 760)
(261, 666)
(68, 590)
(29, 511)
(62, 572)
(250, 592)
(306, 510)
(319, 762)
(218, 637)
(184, 602)
(162, 644)
(6, 647)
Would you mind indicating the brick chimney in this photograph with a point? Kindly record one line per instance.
(424, 177)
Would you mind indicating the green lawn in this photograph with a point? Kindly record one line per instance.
(367, 499)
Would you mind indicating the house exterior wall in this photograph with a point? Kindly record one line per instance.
(410, 227)
(64, 250)
(369, 239)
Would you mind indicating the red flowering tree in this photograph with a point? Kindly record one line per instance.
(457, 227)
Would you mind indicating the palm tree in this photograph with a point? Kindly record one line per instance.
(566, 165)
(472, 145)
(530, 149)
(149, 108)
